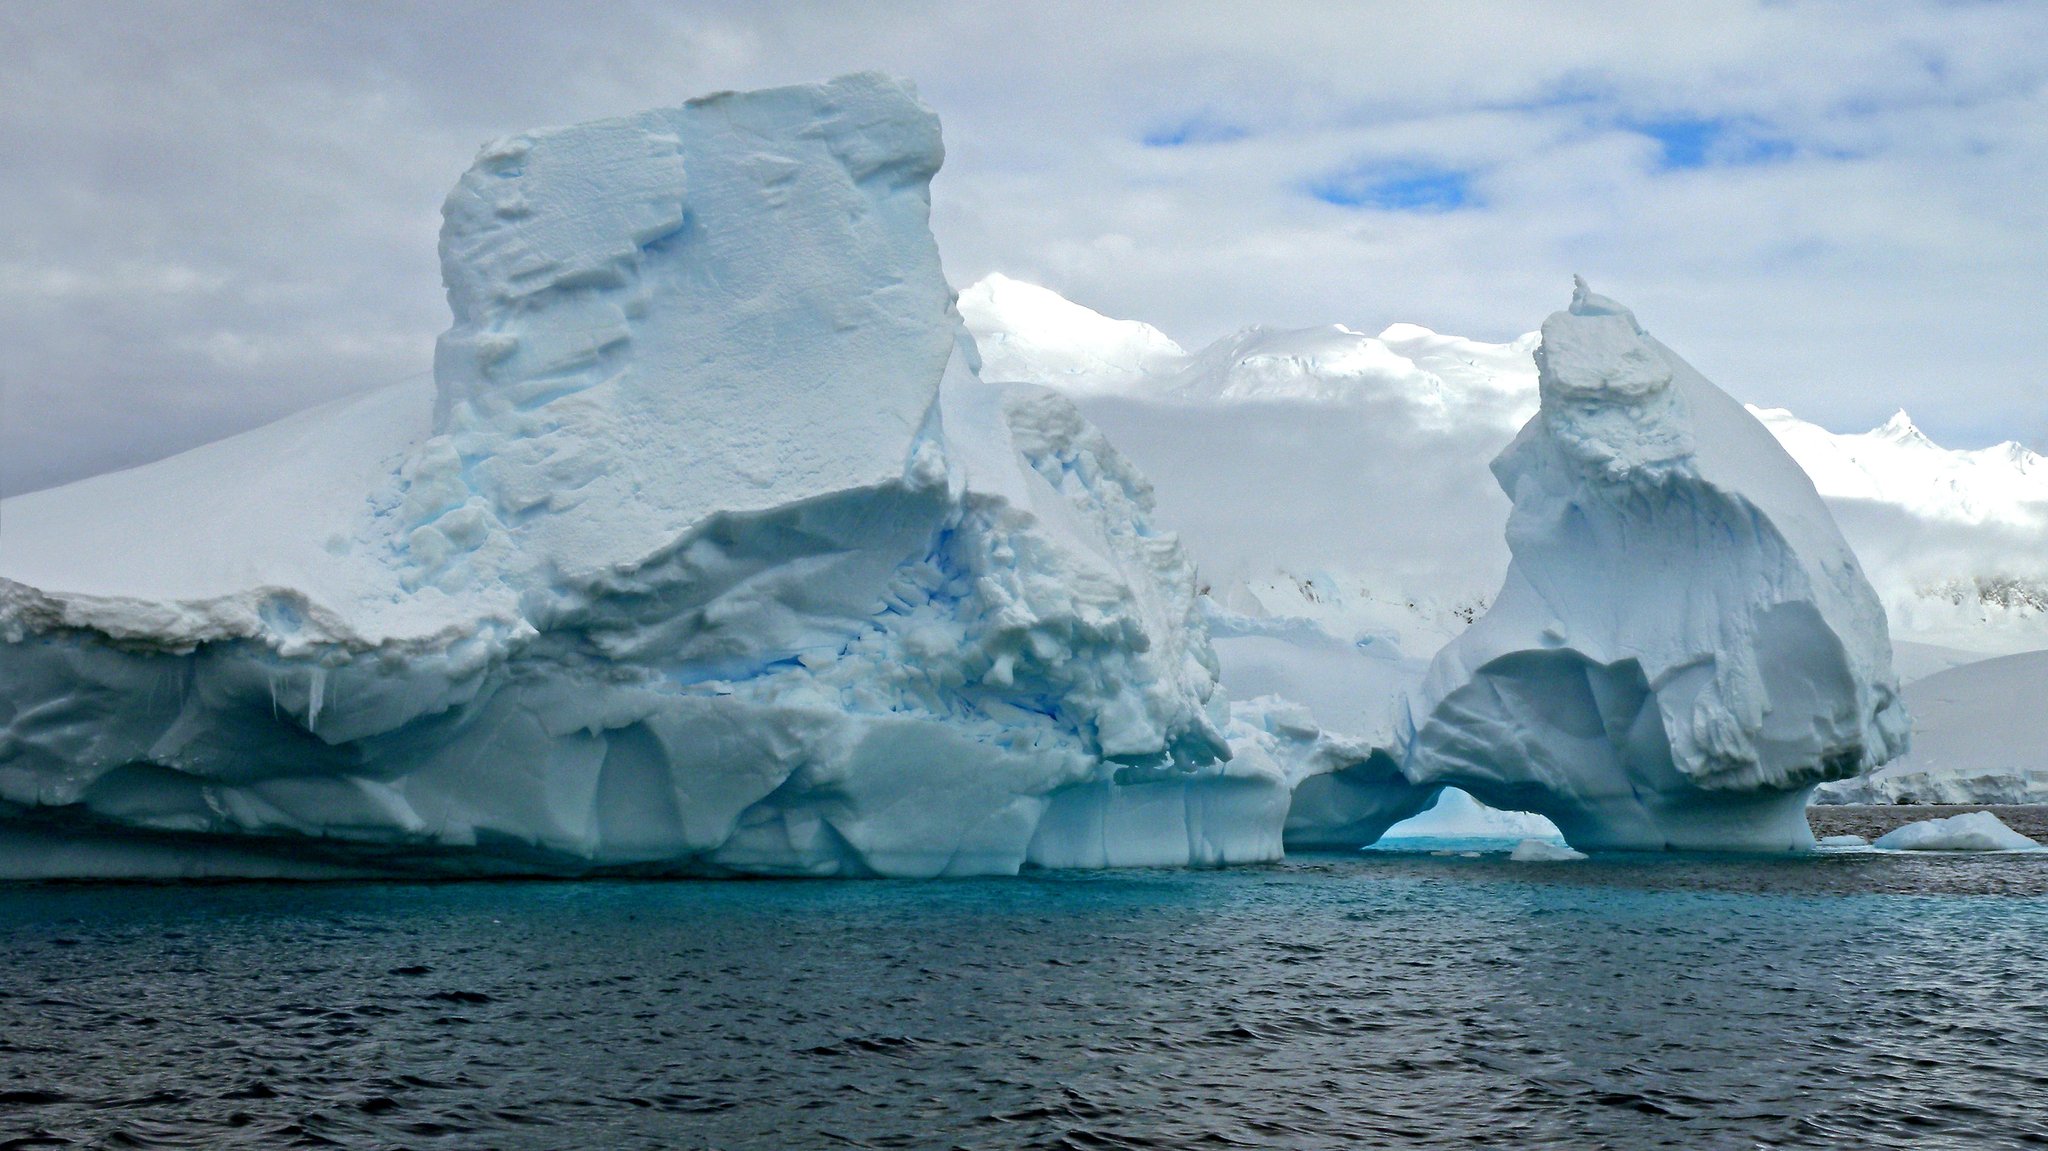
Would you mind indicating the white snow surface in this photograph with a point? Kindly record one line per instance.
(1684, 645)
(1292, 462)
(1980, 736)
(1039, 336)
(705, 550)
(1970, 831)
(1895, 463)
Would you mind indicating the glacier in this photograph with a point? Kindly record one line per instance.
(705, 550)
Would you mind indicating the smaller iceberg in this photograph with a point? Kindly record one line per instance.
(1684, 646)
(1971, 831)
(1543, 851)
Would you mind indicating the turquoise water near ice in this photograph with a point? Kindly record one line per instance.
(1393, 998)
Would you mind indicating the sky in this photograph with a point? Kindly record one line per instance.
(214, 214)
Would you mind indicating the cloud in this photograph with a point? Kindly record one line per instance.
(222, 212)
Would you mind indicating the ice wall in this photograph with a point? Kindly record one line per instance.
(1684, 645)
(708, 551)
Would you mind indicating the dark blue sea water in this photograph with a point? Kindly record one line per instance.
(1389, 999)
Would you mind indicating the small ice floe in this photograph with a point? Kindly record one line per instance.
(1972, 831)
(1843, 841)
(1543, 851)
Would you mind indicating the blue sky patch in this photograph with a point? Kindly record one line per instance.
(1194, 130)
(1400, 188)
(1696, 142)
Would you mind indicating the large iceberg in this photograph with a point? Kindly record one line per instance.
(1684, 646)
(705, 549)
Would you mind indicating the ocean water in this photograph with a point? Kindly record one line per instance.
(1392, 998)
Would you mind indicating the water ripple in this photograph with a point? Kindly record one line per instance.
(1385, 1000)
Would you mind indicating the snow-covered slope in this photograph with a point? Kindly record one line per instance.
(1980, 735)
(1957, 541)
(1293, 463)
(1684, 645)
(1044, 338)
(1895, 463)
(707, 550)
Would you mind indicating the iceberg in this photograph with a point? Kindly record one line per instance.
(1684, 646)
(1456, 815)
(1543, 851)
(705, 550)
(1970, 831)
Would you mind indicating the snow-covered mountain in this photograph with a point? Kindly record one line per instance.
(1332, 475)
(1895, 463)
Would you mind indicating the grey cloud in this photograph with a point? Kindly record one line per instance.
(218, 213)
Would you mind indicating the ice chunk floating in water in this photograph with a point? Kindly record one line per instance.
(1970, 831)
(1543, 851)
(706, 549)
(1684, 645)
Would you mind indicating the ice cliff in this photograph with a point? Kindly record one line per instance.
(706, 549)
(1684, 646)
